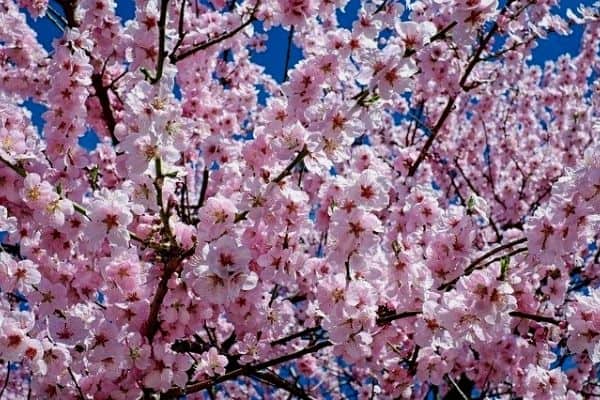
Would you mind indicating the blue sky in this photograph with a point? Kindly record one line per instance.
(274, 58)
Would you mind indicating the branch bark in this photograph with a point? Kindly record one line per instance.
(474, 264)
(246, 370)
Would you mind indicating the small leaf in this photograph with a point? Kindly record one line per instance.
(504, 263)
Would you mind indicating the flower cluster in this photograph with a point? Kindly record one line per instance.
(409, 211)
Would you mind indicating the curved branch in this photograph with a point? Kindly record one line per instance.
(534, 317)
(474, 264)
(247, 370)
(288, 170)
(104, 100)
(6, 380)
(276, 381)
(175, 58)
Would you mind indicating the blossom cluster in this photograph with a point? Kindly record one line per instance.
(410, 211)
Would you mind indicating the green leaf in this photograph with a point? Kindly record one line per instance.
(504, 263)
(470, 203)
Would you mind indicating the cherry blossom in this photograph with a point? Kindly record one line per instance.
(408, 208)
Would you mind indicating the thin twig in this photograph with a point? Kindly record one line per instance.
(162, 54)
(534, 317)
(288, 53)
(296, 335)
(392, 317)
(278, 382)
(6, 380)
(175, 58)
(473, 266)
(81, 395)
(107, 113)
(244, 371)
(15, 167)
(288, 170)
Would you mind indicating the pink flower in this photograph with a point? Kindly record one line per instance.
(225, 257)
(216, 216)
(7, 224)
(212, 363)
(24, 275)
(13, 341)
(37, 193)
(110, 215)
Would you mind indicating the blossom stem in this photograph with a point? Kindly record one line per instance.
(296, 335)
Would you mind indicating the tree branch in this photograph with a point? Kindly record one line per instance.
(534, 317)
(288, 54)
(243, 371)
(475, 58)
(432, 136)
(386, 319)
(202, 46)
(288, 170)
(107, 113)
(6, 380)
(162, 54)
(152, 323)
(81, 395)
(296, 335)
(15, 167)
(473, 266)
(274, 380)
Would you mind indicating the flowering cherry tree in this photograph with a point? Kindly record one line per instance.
(412, 210)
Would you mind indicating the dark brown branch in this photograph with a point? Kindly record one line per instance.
(433, 134)
(15, 167)
(107, 113)
(6, 380)
(69, 7)
(392, 317)
(381, 7)
(152, 323)
(203, 188)
(474, 190)
(439, 35)
(288, 54)
(247, 370)
(162, 54)
(295, 335)
(274, 380)
(510, 254)
(475, 58)
(288, 170)
(180, 32)
(175, 58)
(81, 395)
(473, 266)
(534, 317)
